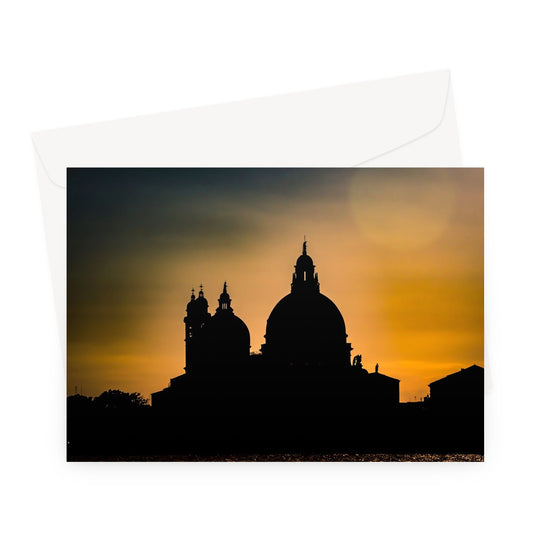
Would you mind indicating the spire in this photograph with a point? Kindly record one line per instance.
(304, 248)
(192, 294)
(201, 293)
(225, 288)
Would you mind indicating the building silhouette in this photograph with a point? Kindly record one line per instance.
(460, 391)
(304, 368)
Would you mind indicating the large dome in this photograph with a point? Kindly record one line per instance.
(306, 327)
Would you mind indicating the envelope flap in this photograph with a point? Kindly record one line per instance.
(340, 126)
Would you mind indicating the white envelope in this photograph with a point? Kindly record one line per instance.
(405, 121)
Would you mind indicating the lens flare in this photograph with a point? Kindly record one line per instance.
(402, 211)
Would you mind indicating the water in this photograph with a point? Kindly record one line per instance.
(333, 457)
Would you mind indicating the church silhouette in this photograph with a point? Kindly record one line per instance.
(305, 368)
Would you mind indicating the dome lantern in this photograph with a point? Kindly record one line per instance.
(304, 277)
(224, 302)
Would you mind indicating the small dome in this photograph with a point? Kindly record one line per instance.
(304, 261)
(227, 339)
(227, 328)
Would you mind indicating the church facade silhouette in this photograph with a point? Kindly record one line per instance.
(305, 367)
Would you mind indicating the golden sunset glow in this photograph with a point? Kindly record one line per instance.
(399, 251)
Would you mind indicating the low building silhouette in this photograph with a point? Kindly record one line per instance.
(460, 391)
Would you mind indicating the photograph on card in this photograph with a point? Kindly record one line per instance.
(275, 314)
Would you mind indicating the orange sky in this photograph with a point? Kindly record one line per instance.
(400, 251)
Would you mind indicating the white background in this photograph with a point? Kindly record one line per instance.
(66, 63)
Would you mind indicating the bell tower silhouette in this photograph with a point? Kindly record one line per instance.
(195, 321)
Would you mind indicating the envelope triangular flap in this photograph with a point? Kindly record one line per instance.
(339, 126)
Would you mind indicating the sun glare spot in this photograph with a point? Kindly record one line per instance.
(404, 213)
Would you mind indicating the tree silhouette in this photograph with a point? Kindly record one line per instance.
(77, 403)
(118, 400)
